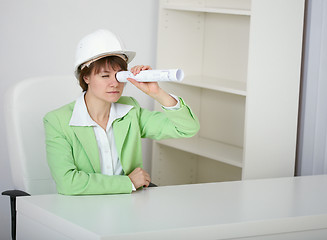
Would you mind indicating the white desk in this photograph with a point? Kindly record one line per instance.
(284, 208)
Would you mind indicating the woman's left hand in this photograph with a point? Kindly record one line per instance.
(149, 88)
(152, 88)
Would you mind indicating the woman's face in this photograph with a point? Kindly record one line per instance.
(104, 85)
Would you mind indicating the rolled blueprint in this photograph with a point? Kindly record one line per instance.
(170, 75)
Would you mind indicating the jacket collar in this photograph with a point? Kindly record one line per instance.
(81, 117)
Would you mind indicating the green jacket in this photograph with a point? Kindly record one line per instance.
(72, 151)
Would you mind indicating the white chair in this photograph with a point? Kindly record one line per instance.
(26, 103)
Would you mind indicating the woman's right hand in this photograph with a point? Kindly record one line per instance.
(139, 178)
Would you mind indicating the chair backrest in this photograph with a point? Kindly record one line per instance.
(26, 104)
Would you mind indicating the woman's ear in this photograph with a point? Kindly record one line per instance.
(86, 79)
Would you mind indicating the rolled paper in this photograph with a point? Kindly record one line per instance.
(170, 75)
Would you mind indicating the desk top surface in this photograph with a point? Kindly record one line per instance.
(301, 201)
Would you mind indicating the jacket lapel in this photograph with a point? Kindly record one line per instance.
(87, 138)
(121, 127)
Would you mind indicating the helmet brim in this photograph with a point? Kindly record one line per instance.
(129, 54)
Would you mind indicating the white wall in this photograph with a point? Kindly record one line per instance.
(38, 38)
(312, 143)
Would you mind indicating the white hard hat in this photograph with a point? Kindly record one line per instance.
(98, 44)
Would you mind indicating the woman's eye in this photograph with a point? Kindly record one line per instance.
(105, 76)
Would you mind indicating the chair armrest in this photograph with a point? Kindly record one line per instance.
(15, 193)
(152, 185)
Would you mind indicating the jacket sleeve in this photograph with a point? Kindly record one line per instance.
(69, 179)
(181, 123)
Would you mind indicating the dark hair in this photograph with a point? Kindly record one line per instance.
(117, 63)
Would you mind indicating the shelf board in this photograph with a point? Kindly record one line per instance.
(209, 9)
(217, 84)
(207, 148)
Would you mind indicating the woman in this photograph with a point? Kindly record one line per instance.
(94, 144)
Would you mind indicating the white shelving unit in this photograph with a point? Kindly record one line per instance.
(208, 10)
(242, 63)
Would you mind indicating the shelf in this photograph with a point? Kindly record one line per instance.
(223, 85)
(219, 44)
(207, 148)
(208, 10)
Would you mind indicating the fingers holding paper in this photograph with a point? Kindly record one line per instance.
(149, 88)
(138, 68)
(152, 88)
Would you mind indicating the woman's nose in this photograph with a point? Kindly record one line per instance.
(113, 81)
